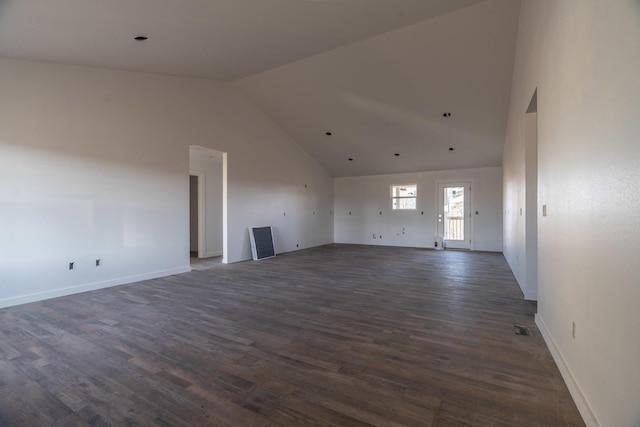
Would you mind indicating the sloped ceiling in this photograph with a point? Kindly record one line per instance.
(218, 39)
(387, 95)
(378, 74)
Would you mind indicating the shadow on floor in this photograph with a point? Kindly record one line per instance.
(205, 263)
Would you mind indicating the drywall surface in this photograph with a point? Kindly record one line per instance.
(392, 89)
(94, 164)
(583, 59)
(209, 162)
(363, 213)
(520, 209)
(530, 288)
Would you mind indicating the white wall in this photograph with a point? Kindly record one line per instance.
(94, 163)
(366, 196)
(520, 207)
(530, 283)
(209, 162)
(583, 58)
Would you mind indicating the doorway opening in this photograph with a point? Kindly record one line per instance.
(454, 218)
(194, 215)
(207, 206)
(531, 199)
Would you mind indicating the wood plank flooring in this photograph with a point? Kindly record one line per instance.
(340, 335)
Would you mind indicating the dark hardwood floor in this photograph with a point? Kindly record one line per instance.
(340, 335)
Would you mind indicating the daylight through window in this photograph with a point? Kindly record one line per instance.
(403, 197)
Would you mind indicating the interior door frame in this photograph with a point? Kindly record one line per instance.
(467, 243)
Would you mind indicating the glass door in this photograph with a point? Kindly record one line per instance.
(454, 215)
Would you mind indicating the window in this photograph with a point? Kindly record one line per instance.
(403, 197)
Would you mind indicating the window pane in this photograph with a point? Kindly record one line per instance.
(409, 203)
(454, 213)
(409, 190)
(406, 191)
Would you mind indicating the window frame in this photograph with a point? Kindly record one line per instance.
(397, 206)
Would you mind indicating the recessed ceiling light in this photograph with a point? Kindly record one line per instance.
(141, 38)
(351, 159)
(397, 154)
(451, 149)
(328, 133)
(446, 114)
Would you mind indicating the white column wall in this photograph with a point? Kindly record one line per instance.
(582, 56)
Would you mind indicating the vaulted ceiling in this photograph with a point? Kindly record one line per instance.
(377, 74)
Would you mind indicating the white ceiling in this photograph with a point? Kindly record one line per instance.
(377, 73)
(219, 39)
(387, 95)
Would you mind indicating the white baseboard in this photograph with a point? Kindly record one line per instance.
(578, 397)
(61, 292)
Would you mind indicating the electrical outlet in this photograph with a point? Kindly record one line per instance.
(544, 210)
